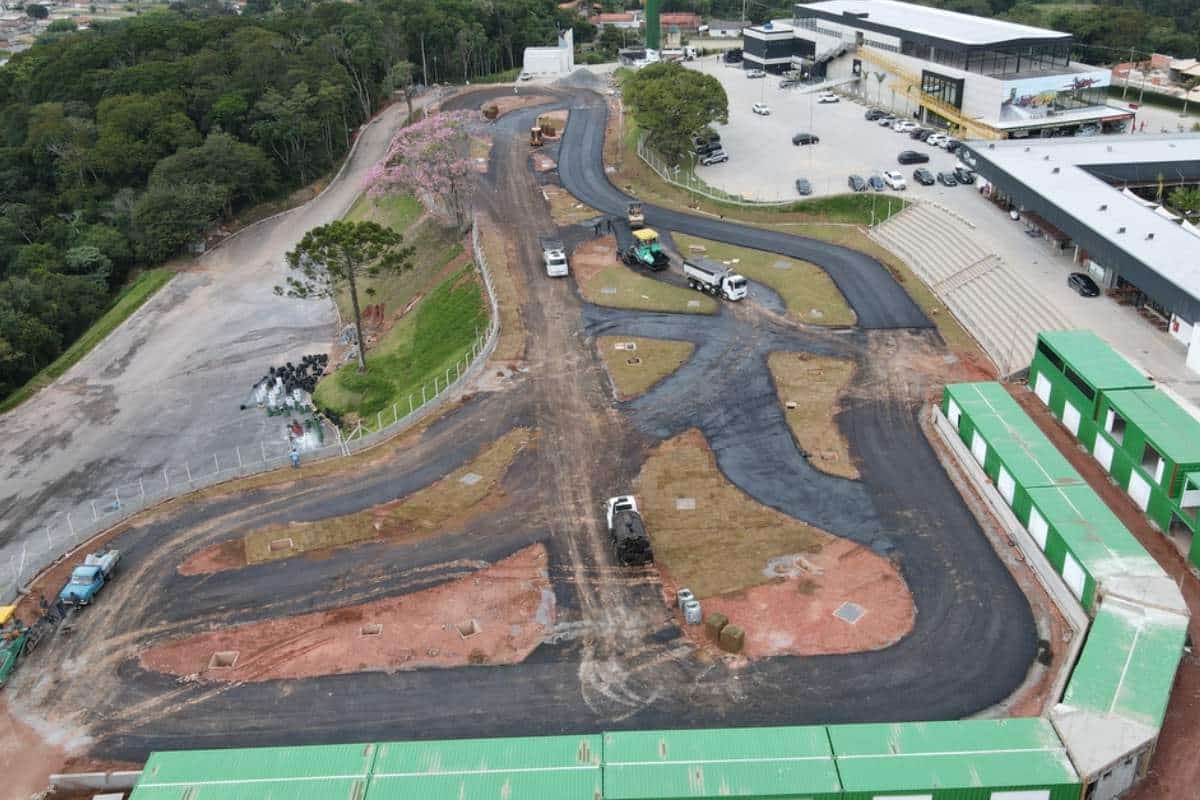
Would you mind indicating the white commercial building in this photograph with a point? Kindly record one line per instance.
(558, 60)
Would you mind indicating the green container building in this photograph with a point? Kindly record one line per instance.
(793, 763)
(1013, 452)
(1003, 759)
(1151, 446)
(531, 768)
(1069, 372)
(328, 772)
(1087, 545)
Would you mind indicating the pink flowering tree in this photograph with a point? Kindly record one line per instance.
(431, 159)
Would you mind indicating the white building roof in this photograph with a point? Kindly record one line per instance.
(936, 22)
(1159, 243)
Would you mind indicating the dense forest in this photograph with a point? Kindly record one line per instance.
(1105, 29)
(121, 145)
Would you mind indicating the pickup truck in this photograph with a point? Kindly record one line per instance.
(89, 578)
(627, 532)
(713, 277)
(554, 256)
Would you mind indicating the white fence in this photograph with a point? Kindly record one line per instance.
(67, 530)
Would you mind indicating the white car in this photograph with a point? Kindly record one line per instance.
(827, 97)
(756, 73)
(524, 76)
(936, 139)
(904, 126)
(762, 109)
(895, 180)
(714, 158)
(887, 122)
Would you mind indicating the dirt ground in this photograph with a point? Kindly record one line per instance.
(1175, 770)
(793, 614)
(634, 371)
(810, 388)
(422, 513)
(596, 268)
(495, 616)
(565, 209)
(509, 103)
(507, 280)
(26, 759)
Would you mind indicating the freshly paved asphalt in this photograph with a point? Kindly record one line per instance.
(973, 639)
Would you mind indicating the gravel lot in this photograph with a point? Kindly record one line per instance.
(763, 162)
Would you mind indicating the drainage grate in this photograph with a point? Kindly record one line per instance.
(630, 346)
(468, 628)
(850, 612)
(470, 479)
(373, 629)
(277, 545)
(685, 504)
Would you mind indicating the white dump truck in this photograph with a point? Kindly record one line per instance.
(713, 277)
(627, 532)
(554, 256)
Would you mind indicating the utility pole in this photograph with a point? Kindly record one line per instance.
(1126, 88)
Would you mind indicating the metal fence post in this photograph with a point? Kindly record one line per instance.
(216, 463)
(95, 516)
(49, 541)
(238, 449)
(410, 404)
(188, 467)
(166, 480)
(263, 446)
(70, 525)
(142, 488)
(422, 394)
(395, 414)
(379, 420)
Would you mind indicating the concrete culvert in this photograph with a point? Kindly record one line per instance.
(223, 659)
(278, 545)
(374, 629)
(468, 628)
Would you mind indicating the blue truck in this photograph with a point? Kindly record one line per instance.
(89, 577)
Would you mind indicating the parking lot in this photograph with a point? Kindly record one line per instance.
(764, 164)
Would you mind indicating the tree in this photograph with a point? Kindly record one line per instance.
(1185, 200)
(339, 255)
(430, 158)
(241, 171)
(400, 79)
(36, 10)
(671, 103)
(62, 26)
(169, 217)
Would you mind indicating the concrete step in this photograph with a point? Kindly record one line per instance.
(932, 264)
(942, 228)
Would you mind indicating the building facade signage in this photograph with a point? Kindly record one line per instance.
(1035, 97)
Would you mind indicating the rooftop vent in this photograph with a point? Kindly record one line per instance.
(856, 14)
(1026, 149)
(991, 145)
(1109, 148)
(1046, 157)
(1121, 229)
(1149, 236)
(1054, 171)
(1104, 206)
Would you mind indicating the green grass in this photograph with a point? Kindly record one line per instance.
(810, 294)
(418, 348)
(641, 293)
(396, 211)
(128, 301)
(507, 76)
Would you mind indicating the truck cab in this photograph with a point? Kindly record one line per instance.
(554, 256)
(82, 587)
(714, 278)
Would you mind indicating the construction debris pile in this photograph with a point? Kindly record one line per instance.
(289, 388)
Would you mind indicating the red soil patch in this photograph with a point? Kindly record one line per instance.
(26, 760)
(229, 554)
(510, 604)
(794, 614)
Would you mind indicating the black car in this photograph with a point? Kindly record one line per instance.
(1083, 284)
(874, 114)
(923, 176)
(857, 184)
(946, 179)
(951, 145)
(707, 147)
(964, 175)
(919, 133)
(803, 187)
(912, 157)
(733, 56)
(876, 183)
(804, 138)
(925, 133)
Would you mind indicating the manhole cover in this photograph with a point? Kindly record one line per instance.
(850, 612)
(470, 479)
(685, 504)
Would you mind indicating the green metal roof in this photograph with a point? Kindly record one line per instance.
(1128, 663)
(531, 768)
(762, 762)
(1174, 431)
(1099, 541)
(920, 756)
(1092, 359)
(1026, 452)
(265, 773)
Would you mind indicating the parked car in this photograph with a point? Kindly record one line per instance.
(919, 133)
(1083, 284)
(904, 126)
(803, 187)
(923, 176)
(964, 175)
(947, 179)
(762, 109)
(895, 180)
(707, 147)
(718, 156)
(828, 97)
(733, 56)
(912, 157)
(874, 114)
(805, 138)
(876, 183)
(936, 138)
(886, 122)
(857, 184)
(756, 73)
(524, 76)
(949, 144)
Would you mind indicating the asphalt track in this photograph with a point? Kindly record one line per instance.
(614, 660)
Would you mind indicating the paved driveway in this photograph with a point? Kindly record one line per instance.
(164, 389)
(763, 162)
